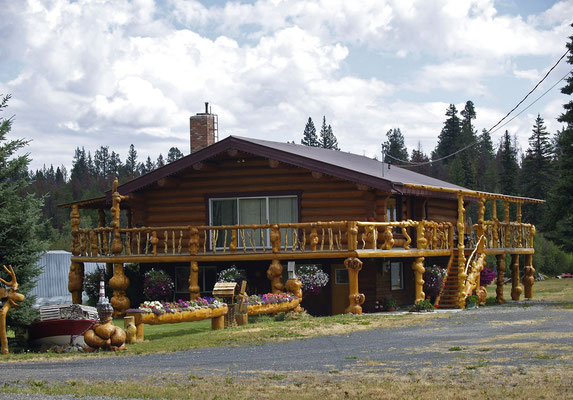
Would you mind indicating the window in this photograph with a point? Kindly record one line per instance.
(341, 276)
(253, 210)
(397, 275)
(391, 209)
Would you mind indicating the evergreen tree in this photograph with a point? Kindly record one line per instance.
(20, 221)
(327, 139)
(537, 174)
(131, 163)
(160, 161)
(174, 154)
(507, 165)
(115, 166)
(560, 221)
(102, 162)
(486, 177)
(309, 135)
(419, 157)
(448, 143)
(395, 147)
(468, 136)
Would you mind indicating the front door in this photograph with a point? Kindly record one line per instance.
(339, 288)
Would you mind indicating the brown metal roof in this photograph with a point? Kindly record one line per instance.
(95, 203)
(355, 168)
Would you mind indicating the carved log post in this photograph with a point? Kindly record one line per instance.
(495, 223)
(116, 245)
(421, 241)
(313, 239)
(500, 278)
(481, 225)
(194, 288)
(387, 239)
(119, 283)
(418, 267)
(461, 255)
(233, 244)
(506, 221)
(76, 281)
(75, 222)
(516, 289)
(528, 277)
(519, 233)
(352, 235)
(276, 239)
(193, 241)
(275, 275)
(354, 265)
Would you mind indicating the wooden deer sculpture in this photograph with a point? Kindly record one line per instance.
(11, 299)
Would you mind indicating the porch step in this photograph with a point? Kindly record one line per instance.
(448, 298)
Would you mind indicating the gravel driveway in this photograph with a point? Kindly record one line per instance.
(517, 334)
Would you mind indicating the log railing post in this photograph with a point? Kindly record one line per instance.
(500, 258)
(352, 235)
(495, 224)
(506, 221)
(76, 274)
(516, 289)
(481, 225)
(519, 232)
(418, 267)
(275, 275)
(119, 282)
(354, 265)
(194, 288)
(461, 253)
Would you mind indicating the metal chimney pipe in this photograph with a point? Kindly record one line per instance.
(206, 107)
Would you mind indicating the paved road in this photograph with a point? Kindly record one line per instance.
(536, 334)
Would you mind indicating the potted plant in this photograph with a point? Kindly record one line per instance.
(422, 306)
(472, 301)
(390, 303)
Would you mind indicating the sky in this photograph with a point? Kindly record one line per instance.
(91, 73)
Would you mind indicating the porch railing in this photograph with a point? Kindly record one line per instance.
(312, 237)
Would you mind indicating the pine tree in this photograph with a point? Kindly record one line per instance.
(309, 135)
(468, 136)
(160, 161)
(395, 147)
(560, 221)
(20, 222)
(448, 143)
(537, 174)
(131, 163)
(486, 177)
(508, 166)
(327, 139)
(174, 154)
(419, 157)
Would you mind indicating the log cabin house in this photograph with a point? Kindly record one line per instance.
(257, 205)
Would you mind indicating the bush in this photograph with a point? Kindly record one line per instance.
(157, 285)
(422, 305)
(91, 285)
(549, 258)
(313, 278)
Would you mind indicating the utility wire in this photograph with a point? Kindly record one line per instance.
(490, 130)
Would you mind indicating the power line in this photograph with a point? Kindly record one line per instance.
(490, 130)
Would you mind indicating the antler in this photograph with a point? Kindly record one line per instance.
(13, 284)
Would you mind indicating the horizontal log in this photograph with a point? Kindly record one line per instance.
(327, 203)
(326, 212)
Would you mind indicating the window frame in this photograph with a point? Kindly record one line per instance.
(400, 264)
(246, 196)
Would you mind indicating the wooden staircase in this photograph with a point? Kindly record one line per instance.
(448, 297)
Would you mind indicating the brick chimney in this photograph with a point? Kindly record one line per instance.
(203, 129)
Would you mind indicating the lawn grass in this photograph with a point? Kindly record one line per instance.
(554, 290)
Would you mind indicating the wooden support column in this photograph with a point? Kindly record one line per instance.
(481, 225)
(194, 288)
(418, 267)
(495, 224)
(500, 278)
(275, 275)
(352, 235)
(354, 265)
(516, 289)
(519, 232)
(461, 255)
(76, 274)
(119, 283)
(528, 277)
(76, 281)
(507, 241)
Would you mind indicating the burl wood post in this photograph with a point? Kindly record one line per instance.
(354, 265)
(11, 299)
(461, 255)
(500, 278)
(119, 282)
(194, 288)
(529, 271)
(418, 267)
(275, 275)
(516, 289)
(76, 274)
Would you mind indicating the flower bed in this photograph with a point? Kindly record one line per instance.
(271, 303)
(159, 312)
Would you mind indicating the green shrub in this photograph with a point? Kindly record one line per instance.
(549, 258)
